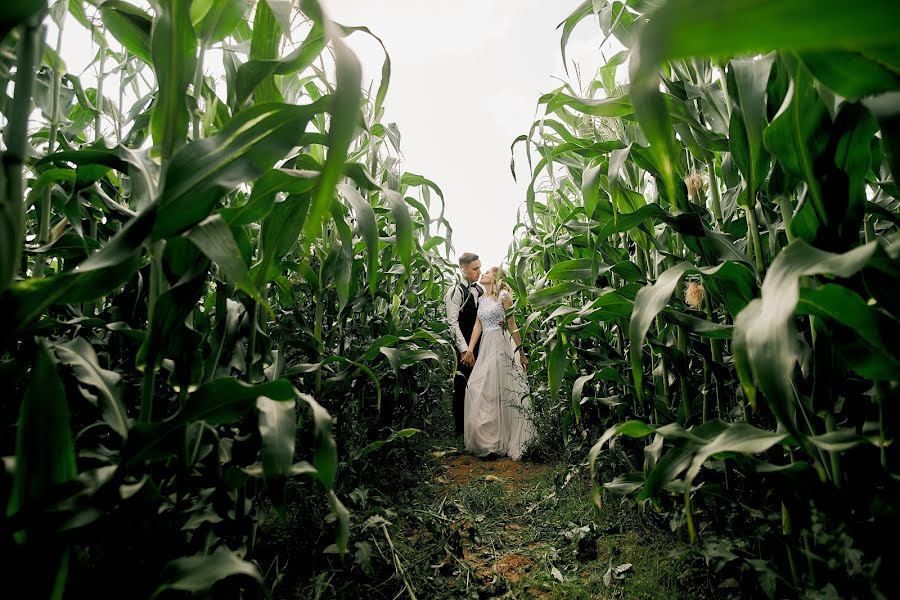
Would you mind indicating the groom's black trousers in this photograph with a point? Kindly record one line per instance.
(460, 380)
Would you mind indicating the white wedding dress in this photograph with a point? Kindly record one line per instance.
(497, 407)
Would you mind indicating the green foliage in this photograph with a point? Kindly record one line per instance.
(716, 227)
(209, 283)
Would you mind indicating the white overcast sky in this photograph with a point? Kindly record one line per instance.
(466, 76)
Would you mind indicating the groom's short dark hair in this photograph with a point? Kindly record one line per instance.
(467, 258)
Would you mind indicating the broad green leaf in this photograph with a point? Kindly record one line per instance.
(569, 270)
(280, 232)
(797, 134)
(344, 111)
(385, 74)
(653, 298)
(218, 402)
(214, 20)
(685, 28)
(590, 188)
(326, 456)
(764, 345)
(584, 10)
(403, 433)
(577, 391)
(403, 227)
(857, 73)
(737, 437)
(880, 332)
(553, 293)
(100, 386)
(278, 430)
(247, 147)
(368, 229)
(199, 573)
(103, 271)
(605, 107)
(556, 362)
(173, 47)
(748, 79)
(885, 109)
(342, 516)
(45, 450)
(213, 237)
(130, 25)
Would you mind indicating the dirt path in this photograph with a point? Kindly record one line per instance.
(499, 528)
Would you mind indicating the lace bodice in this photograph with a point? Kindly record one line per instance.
(490, 312)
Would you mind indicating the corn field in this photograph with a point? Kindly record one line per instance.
(222, 295)
(181, 277)
(709, 254)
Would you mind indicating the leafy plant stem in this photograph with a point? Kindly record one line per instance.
(753, 229)
(198, 91)
(101, 75)
(787, 215)
(836, 472)
(715, 194)
(689, 513)
(682, 381)
(253, 323)
(44, 227)
(11, 202)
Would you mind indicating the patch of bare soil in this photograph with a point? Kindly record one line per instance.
(464, 469)
(512, 566)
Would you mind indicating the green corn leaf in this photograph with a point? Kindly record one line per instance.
(218, 402)
(130, 25)
(880, 333)
(685, 28)
(404, 228)
(556, 362)
(368, 228)
(652, 299)
(326, 456)
(278, 431)
(45, 450)
(214, 20)
(213, 237)
(100, 386)
(764, 347)
(858, 73)
(344, 112)
(748, 79)
(571, 270)
(247, 147)
(280, 232)
(173, 47)
(199, 573)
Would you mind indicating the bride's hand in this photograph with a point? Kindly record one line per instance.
(523, 359)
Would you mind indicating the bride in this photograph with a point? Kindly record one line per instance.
(497, 408)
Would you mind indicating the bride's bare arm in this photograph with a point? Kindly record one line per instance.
(469, 356)
(514, 330)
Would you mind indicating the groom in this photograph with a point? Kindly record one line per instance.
(462, 308)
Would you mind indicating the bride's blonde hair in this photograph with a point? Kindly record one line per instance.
(499, 282)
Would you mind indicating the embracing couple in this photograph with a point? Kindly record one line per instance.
(490, 389)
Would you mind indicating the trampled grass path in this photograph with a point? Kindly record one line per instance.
(505, 529)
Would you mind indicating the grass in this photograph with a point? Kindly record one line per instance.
(483, 529)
